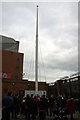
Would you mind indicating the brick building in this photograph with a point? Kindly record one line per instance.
(69, 86)
(12, 69)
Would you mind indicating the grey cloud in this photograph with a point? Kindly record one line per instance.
(57, 36)
(59, 25)
(66, 62)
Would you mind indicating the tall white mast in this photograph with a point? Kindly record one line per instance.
(36, 56)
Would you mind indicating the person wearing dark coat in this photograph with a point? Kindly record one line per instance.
(35, 107)
(42, 109)
(7, 104)
(59, 101)
(45, 100)
(51, 105)
(15, 106)
(29, 107)
(64, 101)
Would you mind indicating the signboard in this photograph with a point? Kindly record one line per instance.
(40, 93)
(5, 75)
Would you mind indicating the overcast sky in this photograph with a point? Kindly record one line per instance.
(58, 36)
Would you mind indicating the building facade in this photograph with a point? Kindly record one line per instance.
(12, 69)
(70, 87)
(8, 44)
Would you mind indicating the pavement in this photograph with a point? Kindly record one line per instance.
(22, 117)
(77, 115)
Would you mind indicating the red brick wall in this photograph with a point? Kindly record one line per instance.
(12, 62)
(14, 86)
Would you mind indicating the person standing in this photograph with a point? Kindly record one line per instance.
(42, 109)
(51, 105)
(7, 104)
(71, 108)
(29, 108)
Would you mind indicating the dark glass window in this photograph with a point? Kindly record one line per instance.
(17, 67)
(17, 77)
(17, 59)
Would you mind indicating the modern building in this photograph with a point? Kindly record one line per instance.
(8, 44)
(12, 64)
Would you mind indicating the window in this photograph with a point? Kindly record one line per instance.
(17, 59)
(17, 67)
(17, 77)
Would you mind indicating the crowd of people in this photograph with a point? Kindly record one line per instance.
(33, 106)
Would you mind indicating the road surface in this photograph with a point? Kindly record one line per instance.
(76, 117)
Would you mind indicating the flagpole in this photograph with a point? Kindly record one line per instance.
(36, 56)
